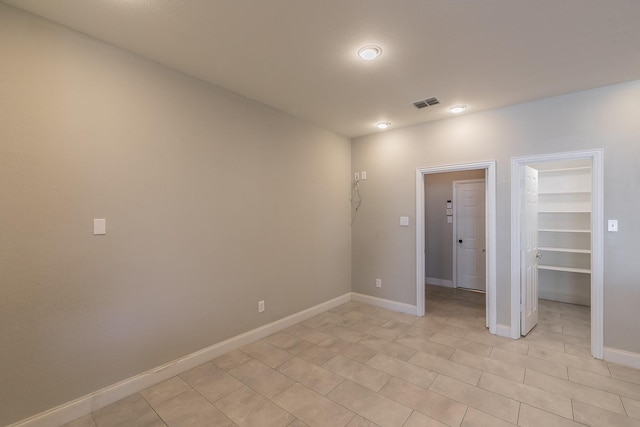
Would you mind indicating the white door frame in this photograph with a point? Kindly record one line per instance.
(455, 225)
(597, 242)
(490, 232)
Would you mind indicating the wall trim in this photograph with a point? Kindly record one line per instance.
(91, 402)
(622, 357)
(438, 282)
(503, 330)
(384, 303)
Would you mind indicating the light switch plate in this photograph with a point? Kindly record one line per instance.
(404, 221)
(449, 219)
(99, 226)
(612, 225)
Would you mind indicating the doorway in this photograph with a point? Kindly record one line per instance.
(489, 168)
(557, 237)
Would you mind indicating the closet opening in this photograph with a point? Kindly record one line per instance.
(557, 248)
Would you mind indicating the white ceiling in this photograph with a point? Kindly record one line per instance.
(299, 56)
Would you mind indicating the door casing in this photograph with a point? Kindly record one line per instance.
(490, 232)
(597, 239)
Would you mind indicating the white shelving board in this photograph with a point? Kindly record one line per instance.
(567, 269)
(564, 206)
(569, 250)
(563, 230)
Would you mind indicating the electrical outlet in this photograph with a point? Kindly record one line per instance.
(260, 306)
(363, 174)
(378, 283)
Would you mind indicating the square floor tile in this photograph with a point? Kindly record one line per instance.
(357, 372)
(245, 407)
(131, 411)
(373, 406)
(190, 409)
(434, 405)
(312, 408)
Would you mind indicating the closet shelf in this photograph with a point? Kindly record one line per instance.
(556, 211)
(570, 250)
(567, 269)
(565, 218)
(544, 193)
(576, 169)
(563, 230)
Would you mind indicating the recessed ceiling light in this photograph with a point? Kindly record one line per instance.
(369, 53)
(383, 125)
(458, 109)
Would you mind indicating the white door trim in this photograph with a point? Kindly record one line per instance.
(455, 225)
(597, 239)
(490, 218)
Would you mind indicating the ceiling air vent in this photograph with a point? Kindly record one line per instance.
(426, 102)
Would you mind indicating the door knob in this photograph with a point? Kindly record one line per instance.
(460, 241)
(538, 255)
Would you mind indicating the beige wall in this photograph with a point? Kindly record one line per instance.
(438, 188)
(212, 203)
(599, 118)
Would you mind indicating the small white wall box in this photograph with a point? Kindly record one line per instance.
(449, 204)
(99, 226)
(404, 221)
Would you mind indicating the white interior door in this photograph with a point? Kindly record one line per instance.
(470, 235)
(530, 255)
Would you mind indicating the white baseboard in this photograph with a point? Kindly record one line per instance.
(99, 399)
(438, 282)
(503, 330)
(385, 303)
(622, 357)
(59, 415)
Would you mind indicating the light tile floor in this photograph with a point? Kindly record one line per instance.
(359, 365)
